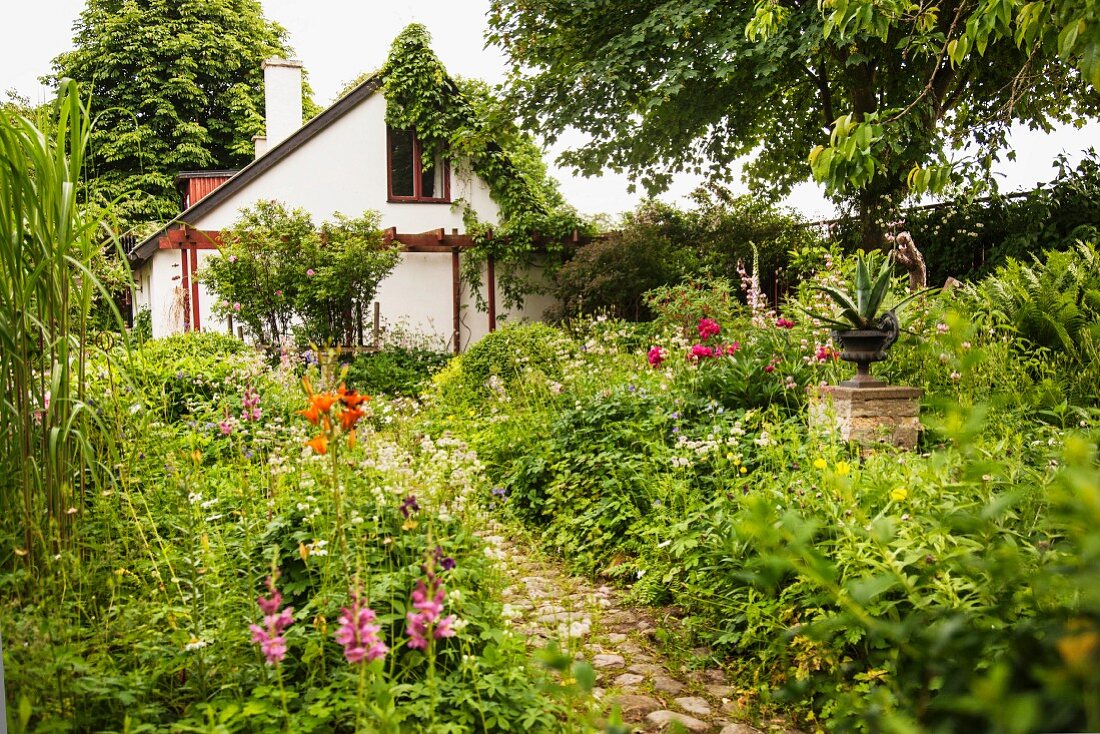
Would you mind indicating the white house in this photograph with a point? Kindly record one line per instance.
(344, 160)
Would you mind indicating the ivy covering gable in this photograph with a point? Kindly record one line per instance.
(464, 122)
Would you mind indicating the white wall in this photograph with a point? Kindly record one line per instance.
(343, 169)
(165, 299)
(419, 295)
(475, 322)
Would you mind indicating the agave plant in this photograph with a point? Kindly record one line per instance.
(865, 311)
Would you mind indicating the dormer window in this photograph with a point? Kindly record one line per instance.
(409, 178)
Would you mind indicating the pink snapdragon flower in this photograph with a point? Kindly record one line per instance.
(250, 405)
(358, 633)
(270, 636)
(655, 355)
(708, 328)
(425, 624)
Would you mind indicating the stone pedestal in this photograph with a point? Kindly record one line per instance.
(883, 414)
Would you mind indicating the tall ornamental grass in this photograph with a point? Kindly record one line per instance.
(48, 236)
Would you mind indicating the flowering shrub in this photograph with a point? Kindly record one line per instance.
(278, 269)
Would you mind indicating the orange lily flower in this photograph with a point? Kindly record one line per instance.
(311, 414)
(349, 418)
(351, 398)
(322, 401)
(319, 444)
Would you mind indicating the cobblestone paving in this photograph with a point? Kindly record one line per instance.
(592, 621)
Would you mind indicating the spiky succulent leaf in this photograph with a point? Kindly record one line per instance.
(878, 290)
(863, 287)
(847, 309)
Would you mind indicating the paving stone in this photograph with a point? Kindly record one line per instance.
(629, 679)
(713, 675)
(616, 637)
(608, 661)
(719, 691)
(576, 629)
(634, 707)
(738, 729)
(694, 705)
(664, 684)
(665, 717)
(649, 669)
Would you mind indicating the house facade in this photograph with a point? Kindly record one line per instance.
(344, 160)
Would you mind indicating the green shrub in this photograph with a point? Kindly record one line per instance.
(513, 350)
(395, 370)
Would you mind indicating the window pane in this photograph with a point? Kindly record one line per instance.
(431, 181)
(401, 163)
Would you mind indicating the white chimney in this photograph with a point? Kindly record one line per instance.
(260, 142)
(283, 100)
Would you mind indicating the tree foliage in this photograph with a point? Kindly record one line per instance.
(876, 89)
(180, 86)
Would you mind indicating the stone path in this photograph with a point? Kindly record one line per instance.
(592, 622)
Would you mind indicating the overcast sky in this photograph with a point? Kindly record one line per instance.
(339, 39)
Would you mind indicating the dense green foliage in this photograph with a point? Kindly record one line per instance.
(667, 87)
(396, 370)
(144, 624)
(949, 589)
(966, 238)
(464, 122)
(722, 236)
(281, 276)
(179, 86)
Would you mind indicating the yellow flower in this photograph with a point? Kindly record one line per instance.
(820, 464)
(897, 494)
(842, 468)
(744, 470)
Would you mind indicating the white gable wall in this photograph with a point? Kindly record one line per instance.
(343, 169)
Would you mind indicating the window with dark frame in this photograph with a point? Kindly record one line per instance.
(409, 178)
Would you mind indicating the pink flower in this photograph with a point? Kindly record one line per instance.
(656, 355)
(279, 292)
(226, 426)
(232, 258)
(250, 403)
(783, 323)
(824, 353)
(358, 634)
(310, 273)
(270, 636)
(701, 351)
(708, 328)
(236, 307)
(425, 623)
(770, 368)
(732, 348)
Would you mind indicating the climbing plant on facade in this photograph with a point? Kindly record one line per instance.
(463, 122)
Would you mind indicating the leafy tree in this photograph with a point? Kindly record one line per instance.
(179, 86)
(877, 90)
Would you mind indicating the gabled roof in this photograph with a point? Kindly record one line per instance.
(256, 168)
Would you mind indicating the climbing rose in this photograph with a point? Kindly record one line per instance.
(358, 634)
(270, 636)
(656, 355)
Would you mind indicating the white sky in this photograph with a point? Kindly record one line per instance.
(339, 39)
